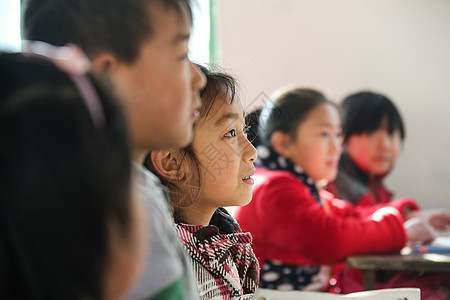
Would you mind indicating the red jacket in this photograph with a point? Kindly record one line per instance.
(289, 225)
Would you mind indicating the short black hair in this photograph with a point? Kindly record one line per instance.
(115, 26)
(364, 112)
(63, 181)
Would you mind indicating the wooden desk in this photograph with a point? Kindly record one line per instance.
(369, 264)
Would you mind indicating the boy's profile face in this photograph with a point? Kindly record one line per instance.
(161, 87)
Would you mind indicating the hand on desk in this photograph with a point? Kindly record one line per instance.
(440, 221)
(419, 231)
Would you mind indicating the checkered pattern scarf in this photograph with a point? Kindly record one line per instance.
(222, 257)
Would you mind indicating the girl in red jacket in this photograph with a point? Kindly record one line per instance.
(297, 228)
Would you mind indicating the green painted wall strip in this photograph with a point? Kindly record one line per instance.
(212, 33)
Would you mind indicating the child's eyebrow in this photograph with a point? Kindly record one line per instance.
(326, 125)
(225, 117)
(181, 37)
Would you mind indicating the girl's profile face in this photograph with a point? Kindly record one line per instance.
(375, 152)
(225, 156)
(317, 144)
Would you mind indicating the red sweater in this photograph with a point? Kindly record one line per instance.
(289, 225)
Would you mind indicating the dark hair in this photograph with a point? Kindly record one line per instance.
(252, 121)
(365, 111)
(63, 181)
(219, 86)
(116, 26)
(287, 111)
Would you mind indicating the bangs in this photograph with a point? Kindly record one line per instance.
(365, 113)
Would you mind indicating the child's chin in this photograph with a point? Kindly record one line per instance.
(248, 200)
(331, 176)
(244, 201)
(186, 139)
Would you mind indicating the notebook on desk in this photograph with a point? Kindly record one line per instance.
(439, 245)
(385, 294)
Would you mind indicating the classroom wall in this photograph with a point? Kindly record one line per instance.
(397, 47)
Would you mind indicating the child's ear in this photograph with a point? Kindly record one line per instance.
(281, 143)
(103, 63)
(166, 164)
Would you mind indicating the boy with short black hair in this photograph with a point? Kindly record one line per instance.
(140, 48)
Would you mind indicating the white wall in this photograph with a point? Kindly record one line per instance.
(398, 47)
(10, 25)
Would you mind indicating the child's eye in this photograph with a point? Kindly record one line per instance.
(395, 133)
(231, 133)
(324, 134)
(371, 134)
(183, 57)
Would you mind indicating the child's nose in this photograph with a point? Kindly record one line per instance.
(198, 78)
(336, 145)
(384, 141)
(251, 154)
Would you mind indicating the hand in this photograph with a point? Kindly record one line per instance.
(440, 221)
(418, 230)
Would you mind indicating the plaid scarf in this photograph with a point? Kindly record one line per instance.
(222, 257)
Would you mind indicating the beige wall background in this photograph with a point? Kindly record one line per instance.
(397, 47)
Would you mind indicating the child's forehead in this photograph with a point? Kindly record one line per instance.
(224, 108)
(162, 13)
(225, 104)
(321, 115)
(381, 122)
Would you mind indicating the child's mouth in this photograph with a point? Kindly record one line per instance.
(248, 180)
